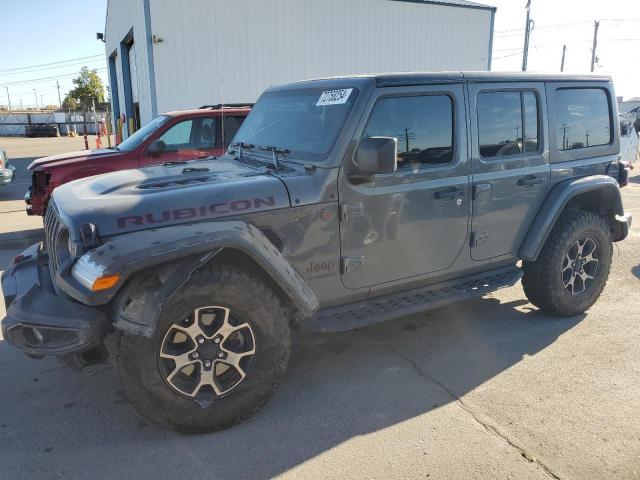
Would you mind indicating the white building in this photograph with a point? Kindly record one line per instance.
(169, 55)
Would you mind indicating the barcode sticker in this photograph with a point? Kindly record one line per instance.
(334, 97)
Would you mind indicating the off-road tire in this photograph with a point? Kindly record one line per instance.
(248, 296)
(542, 279)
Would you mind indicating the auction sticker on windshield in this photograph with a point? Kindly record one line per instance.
(334, 97)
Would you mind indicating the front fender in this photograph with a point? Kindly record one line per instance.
(556, 201)
(130, 253)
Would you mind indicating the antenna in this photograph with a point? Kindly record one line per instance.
(224, 140)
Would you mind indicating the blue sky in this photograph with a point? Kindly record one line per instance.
(37, 32)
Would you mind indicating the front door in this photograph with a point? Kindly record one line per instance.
(186, 140)
(415, 221)
(510, 168)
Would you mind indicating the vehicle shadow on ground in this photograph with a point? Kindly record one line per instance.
(55, 421)
(636, 271)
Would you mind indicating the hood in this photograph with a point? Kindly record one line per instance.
(75, 156)
(160, 196)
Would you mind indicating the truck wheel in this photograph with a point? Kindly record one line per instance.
(219, 350)
(572, 268)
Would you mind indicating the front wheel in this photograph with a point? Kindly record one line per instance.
(573, 266)
(217, 354)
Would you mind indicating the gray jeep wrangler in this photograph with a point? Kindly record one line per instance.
(342, 202)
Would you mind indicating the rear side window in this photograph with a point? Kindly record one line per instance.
(508, 123)
(423, 126)
(583, 118)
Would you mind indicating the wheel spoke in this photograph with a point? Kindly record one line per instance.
(193, 330)
(208, 378)
(233, 359)
(226, 346)
(180, 361)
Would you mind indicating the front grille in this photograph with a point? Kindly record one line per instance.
(53, 230)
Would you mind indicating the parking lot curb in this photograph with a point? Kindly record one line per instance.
(20, 238)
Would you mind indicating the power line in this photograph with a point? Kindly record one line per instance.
(46, 79)
(51, 63)
(52, 67)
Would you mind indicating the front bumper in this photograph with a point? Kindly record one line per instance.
(38, 321)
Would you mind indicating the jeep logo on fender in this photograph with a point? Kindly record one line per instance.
(196, 212)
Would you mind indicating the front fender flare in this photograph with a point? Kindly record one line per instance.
(194, 244)
(557, 199)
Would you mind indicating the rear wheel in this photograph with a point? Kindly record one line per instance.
(218, 352)
(573, 266)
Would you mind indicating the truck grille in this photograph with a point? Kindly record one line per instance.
(54, 232)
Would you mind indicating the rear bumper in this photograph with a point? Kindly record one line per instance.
(624, 225)
(38, 321)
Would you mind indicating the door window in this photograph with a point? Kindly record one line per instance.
(508, 123)
(423, 127)
(178, 136)
(231, 127)
(205, 139)
(583, 118)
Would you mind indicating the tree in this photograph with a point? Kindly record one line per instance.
(89, 88)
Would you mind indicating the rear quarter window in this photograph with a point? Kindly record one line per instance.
(583, 118)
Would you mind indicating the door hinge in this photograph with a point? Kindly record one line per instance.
(482, 191)
(351, 210)
(351, 264)
(478, 237)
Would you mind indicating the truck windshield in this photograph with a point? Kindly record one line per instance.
(136, 139)
(304, 121)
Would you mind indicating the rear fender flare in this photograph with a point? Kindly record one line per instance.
(557, 200)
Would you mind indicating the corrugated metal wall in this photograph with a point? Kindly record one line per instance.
(231, 50)
(122, 16)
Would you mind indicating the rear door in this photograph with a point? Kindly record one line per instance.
(510, 164)
(414, 221)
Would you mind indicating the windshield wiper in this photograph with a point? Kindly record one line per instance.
(274, 152)
(240, 146)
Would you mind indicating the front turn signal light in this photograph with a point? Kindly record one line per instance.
(105, 283)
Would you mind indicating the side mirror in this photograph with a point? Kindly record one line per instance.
(376, 155)
(157, 147)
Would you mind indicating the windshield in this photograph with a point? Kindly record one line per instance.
(137, 138)
(306, 121)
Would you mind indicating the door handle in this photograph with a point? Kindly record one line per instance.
(449, 194)
(530, 180)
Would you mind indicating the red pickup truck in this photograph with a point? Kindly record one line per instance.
(173, 136)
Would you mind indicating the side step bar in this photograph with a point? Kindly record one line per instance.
(396, 305)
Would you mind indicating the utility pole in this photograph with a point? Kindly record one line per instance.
(59, 99)
(527, 30)
(41, 102)
(564, 51)
(35, 94)
(594, 59)
(8, 97)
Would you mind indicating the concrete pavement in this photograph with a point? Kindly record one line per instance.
(489, 388)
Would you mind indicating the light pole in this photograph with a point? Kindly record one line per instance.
(35, 94)
(8, 97)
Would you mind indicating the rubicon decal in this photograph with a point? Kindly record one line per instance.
(201, 211)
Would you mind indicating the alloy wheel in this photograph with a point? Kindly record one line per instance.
(206, 354)
(580, 266)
